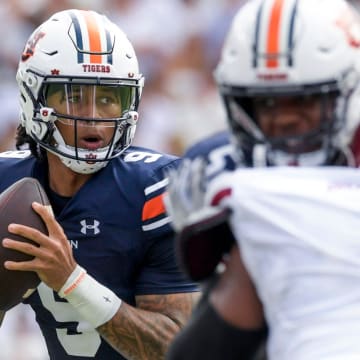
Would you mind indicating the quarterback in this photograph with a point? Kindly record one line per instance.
(110, 285)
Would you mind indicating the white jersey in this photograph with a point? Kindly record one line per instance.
(299, 234)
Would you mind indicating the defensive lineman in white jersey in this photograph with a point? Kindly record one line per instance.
(298, 233)
(289, 77)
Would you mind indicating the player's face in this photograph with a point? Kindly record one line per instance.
(291, 117)
(86, 101)
(288, 116)
(91, 104)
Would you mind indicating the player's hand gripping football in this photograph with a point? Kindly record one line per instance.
(53, 258)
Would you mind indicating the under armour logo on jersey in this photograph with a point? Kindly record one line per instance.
(87, 228)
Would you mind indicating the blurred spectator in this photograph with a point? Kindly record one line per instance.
(9, 117)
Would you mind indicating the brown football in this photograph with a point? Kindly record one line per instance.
(15, 207)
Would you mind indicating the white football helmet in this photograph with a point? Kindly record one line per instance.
(76, 52)
(300, 48)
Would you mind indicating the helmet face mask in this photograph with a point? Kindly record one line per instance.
(290, 128)
(86, 79)
(263, 67)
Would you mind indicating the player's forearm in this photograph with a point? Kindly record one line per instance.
(140, 334)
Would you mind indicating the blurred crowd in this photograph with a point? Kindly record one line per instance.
(178, 43)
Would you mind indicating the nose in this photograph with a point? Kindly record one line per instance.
(87, 109)
(284, 118)
(286, 123)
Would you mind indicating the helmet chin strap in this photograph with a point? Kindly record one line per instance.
(82, 167)
(79, 166)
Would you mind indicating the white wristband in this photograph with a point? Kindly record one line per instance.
(96, 303)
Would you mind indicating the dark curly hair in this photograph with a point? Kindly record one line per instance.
(23, 140)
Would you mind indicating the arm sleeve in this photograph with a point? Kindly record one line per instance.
(208, 336)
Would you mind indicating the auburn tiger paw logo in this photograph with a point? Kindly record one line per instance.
(31, 44)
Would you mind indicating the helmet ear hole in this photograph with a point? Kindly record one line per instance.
(31, 80)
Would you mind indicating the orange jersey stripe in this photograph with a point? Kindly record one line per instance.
(94, 37)
(273, 34)
(153, 207)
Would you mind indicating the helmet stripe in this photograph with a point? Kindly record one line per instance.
(94, 37)
(91, 36)
(291, 33)
(274, 33)
(108, 46)
(257, 40)
(79, 41)
(272, 48)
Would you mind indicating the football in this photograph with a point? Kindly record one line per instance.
(15, 207)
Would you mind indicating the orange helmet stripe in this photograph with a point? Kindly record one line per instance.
(94, 37)
(273, 34)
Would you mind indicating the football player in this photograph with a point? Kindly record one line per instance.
(110, 286)
(289, 77)
(206, 263)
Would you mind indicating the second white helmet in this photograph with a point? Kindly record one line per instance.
(298, 48)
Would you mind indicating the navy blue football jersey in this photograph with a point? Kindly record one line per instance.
(217, 151)
(119, 232)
